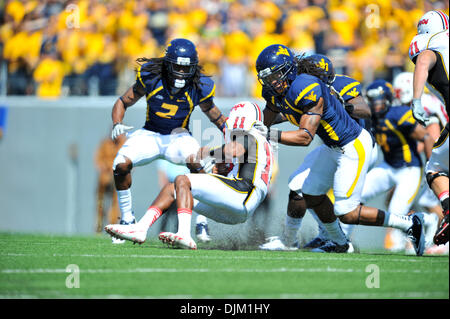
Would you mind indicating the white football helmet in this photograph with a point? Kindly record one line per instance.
(243, 116)
(432, 22)
(403, 87)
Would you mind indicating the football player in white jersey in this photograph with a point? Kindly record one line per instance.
(246, 160)
(438, 118)
(429, 52)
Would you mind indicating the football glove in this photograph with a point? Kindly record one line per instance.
(418, 112)
(119, 129)
(262, 129)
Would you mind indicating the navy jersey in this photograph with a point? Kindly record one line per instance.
(336, 127)
(393, 135)
(166, 112)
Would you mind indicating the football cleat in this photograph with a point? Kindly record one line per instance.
(117, 240)
(416, 233)
(202, 233)
(441, 236)
(131, 232)
(275, 243)
(315, 242)
(176, 241)
(332, 247)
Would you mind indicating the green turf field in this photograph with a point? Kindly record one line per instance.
(34, 266)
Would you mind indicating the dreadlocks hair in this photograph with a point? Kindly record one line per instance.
(158, 69)
(308, 66)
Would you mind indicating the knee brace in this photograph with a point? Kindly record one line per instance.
(432, 176)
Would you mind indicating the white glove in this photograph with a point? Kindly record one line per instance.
(119, 129)
(418, 112)
(208, 165)
(262, 129)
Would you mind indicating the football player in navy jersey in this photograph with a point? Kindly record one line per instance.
(172, 85)
(349, 92)
(397, 133)
(340, 163)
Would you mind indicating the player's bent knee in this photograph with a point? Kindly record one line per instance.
(182, 181)
(296, 205)
(313, 200)
(122, 165)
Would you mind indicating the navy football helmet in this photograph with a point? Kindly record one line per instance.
(276, 68)
(181, 62)
(380, 95)
(325, 64)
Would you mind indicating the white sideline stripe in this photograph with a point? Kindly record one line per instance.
(360, 295)
(206, 270)
(319, 257)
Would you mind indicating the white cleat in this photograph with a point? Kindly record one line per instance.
(176, 241)
(130, 232)
(202, 233)
(275, 243)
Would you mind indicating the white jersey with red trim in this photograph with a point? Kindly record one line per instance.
(438, 75)
(435, 109)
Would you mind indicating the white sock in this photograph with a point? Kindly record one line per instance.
(151, 215)
(201, 219)
(335, 232)
(125, 205)
(397, 221)
(291, 228)
(184, 221)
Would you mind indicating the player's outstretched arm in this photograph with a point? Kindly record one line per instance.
(426, 60)
(360, 109)
(307, 129)
(272, 116)
(424, 63)
(214, 114)
(131, 96)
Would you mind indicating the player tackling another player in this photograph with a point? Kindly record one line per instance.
(244, 169)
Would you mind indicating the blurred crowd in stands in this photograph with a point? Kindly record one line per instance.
(54, 48)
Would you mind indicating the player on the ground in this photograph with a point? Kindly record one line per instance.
(245, 162)
(172, 85)
(429, 52)
(340, 163)
(350, 91)
(398, 134)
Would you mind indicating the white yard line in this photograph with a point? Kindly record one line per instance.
(228, 297)
(214, 270)
(287, 257)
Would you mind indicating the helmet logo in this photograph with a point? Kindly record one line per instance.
(238, 106)
(283, 51)
(423, 21)
(183, 61)
(311, 97)
(323, 65)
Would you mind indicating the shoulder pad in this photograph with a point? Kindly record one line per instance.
(305, 90)
(347, 87)
(207, 88)
(418, 44)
